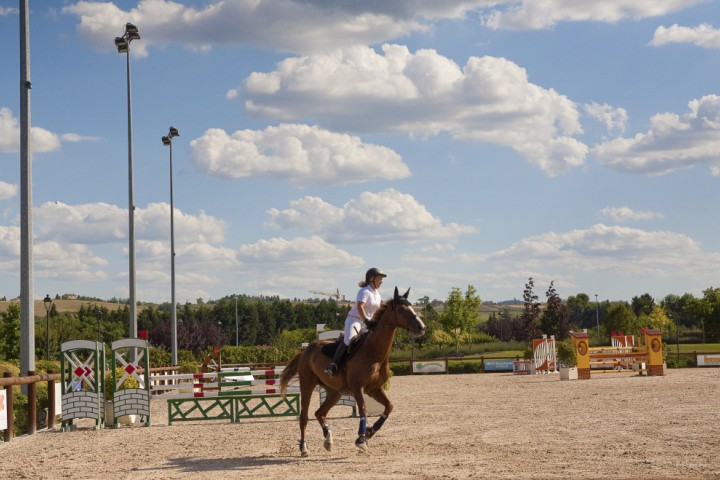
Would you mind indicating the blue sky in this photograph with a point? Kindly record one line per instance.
(448, 143)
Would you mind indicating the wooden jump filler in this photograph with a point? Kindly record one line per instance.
(647, 358)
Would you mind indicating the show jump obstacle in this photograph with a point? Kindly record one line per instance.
(544, 358)
(622, 356)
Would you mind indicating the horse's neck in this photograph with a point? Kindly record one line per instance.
(380, 342)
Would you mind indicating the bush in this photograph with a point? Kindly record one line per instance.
(129, 382)
(403, 368)
(566, 354)
(465, 366)
(685, 361)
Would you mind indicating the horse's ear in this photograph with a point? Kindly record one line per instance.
(406, 293)
(397, 294)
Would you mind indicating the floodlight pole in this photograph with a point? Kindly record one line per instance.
(27, 302)
(123, 46)
(173, 132)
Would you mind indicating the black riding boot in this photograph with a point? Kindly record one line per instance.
(333, 367)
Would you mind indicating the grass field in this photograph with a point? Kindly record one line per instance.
(63, 306)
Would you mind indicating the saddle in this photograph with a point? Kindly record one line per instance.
(329, 349)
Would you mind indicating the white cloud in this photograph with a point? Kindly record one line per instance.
(289, 25)
(300, 154)
(704, 35)
(8, 11)
(297, 252)
(373, 217)
(671, 143)
(614, 119)
(96, 223)
(42, 140)
(622, 214)
(74, 242)
(540, 14)
(7, 190)
(489, 100)
(603, 247)
(75, 137)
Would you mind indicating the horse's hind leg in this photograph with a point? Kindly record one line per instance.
(305, 397)
(379, 396)
(331, 399)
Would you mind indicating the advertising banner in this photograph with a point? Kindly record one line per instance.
(708, 359)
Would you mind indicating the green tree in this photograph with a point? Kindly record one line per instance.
(461, 312)
(528, 320)
(642, 305)
(620, 318)
(555, 319)
(10, 333)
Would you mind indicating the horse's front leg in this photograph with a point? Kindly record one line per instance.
(331, 399)
(379, 396)
(305, 397)
(361, 442)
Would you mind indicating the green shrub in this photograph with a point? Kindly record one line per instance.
(129, 382)
(566, 354)
(9, 367)
(159, 357)
(685, 361)
(403, 368)
(189, 367)
(465, 366)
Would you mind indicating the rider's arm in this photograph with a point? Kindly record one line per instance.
(361, 311)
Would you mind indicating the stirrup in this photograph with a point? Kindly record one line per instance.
(331, 369)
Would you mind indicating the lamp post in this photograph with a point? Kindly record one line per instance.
(236, 323)
(98, 313)
(48, 305)
(167, 140)
(123, 46)
(597, 315)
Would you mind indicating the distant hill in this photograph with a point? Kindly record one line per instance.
(63, 306)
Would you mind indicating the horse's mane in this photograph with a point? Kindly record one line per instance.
(381, 311)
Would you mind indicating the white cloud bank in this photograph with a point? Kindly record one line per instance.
(622, 214)
(673, 142)
(424, 93)
(373, 217)
(540, 14)
(41, 140)
(300, 154)
(305, 26)
(703, 35)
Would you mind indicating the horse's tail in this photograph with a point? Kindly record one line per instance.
(291, 369)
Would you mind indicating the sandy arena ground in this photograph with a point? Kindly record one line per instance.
(489, 426)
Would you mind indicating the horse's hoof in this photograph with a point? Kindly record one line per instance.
(303, 448)
(361, 444)
(328, 442)
(370, 432)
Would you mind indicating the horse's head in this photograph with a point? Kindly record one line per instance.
(400, 313)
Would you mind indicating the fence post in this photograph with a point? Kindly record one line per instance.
(51, 402)
(31, 406)
(9, 409)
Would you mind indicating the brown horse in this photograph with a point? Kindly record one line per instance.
(366, 371)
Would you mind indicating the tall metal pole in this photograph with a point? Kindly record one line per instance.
(173, 132)
(47, 334)
(131, 209)
(597, 315)
(27, 303)
(123, 46)
(173, 310)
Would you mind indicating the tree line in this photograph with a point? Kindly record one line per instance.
(256, 321)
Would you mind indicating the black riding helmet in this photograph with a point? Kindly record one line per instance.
(372, 273)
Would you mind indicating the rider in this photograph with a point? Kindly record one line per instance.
(358, 319)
